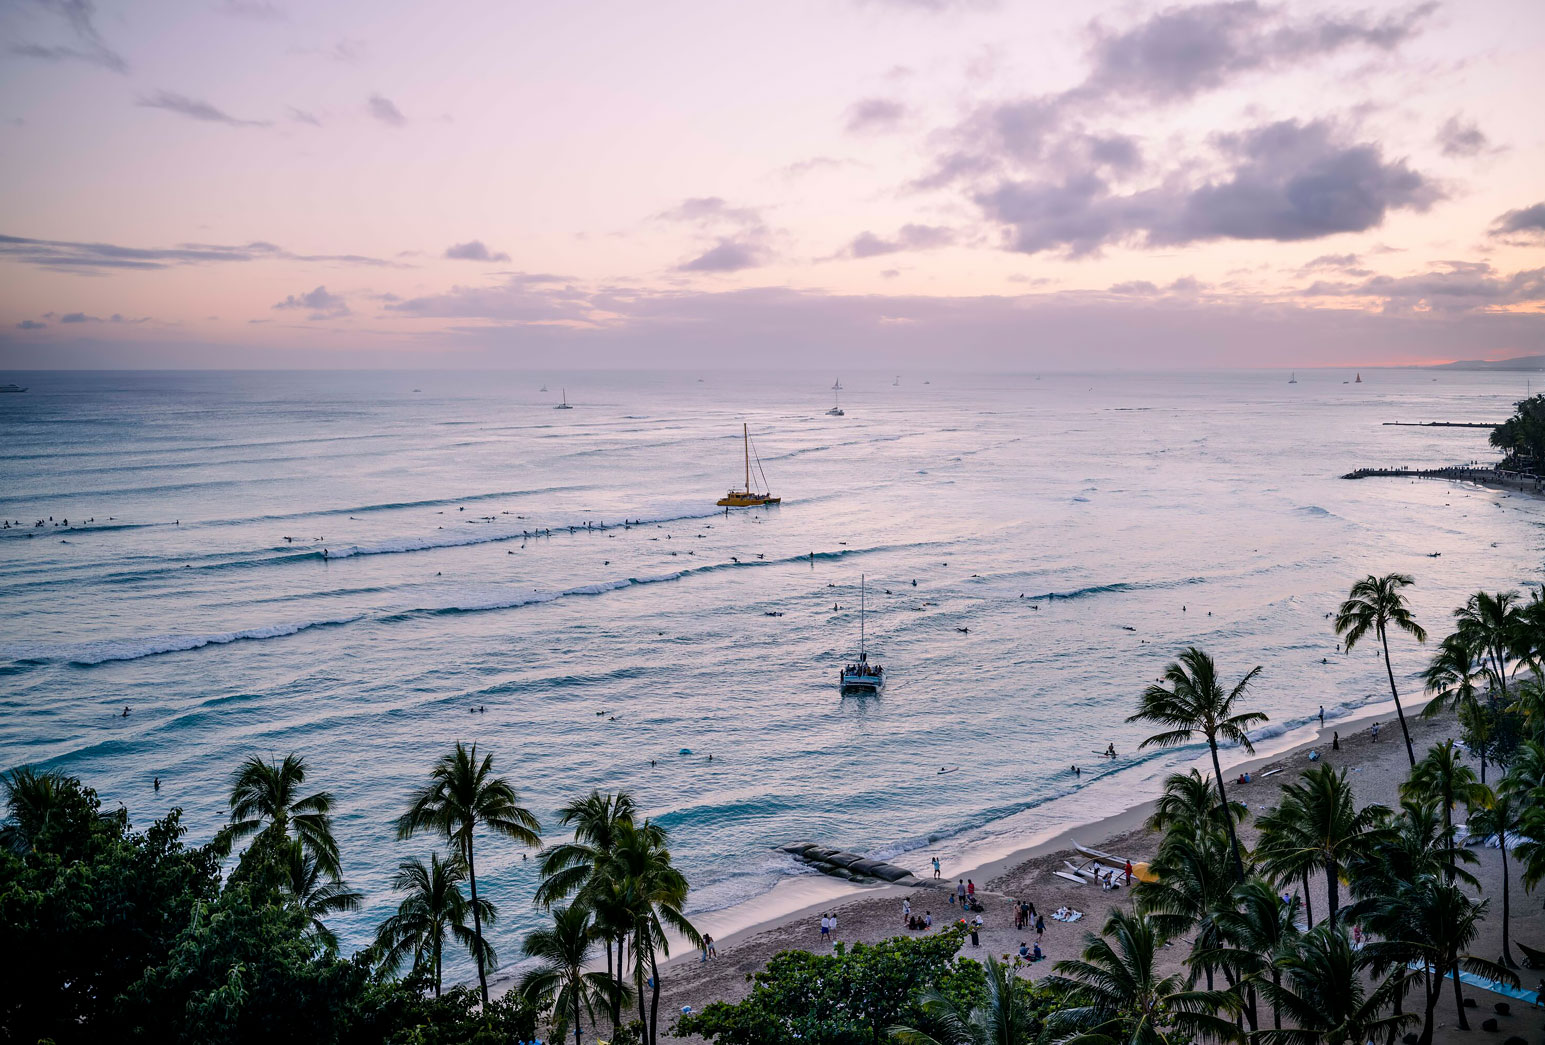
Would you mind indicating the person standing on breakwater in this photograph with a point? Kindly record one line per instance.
(936, 867)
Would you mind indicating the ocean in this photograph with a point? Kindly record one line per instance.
(343, 564)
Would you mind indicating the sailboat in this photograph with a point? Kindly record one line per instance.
(1294, 379)
(542, 389)
(565, 404)
(745, 497)
(836, 410)
(897, 381)
(1359, 378)
(837, 385)
(862, 676)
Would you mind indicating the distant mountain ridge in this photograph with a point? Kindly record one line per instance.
(1536, 362)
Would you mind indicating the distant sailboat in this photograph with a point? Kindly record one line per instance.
(1294, 379)
(745, 497)
(862, 676)
(542, 389)
(1359, 379)
(565, 404)
(897, 381)
(837, 385)
(836, 410)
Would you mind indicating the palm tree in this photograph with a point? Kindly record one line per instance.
(578, 868)
(265, 797)
(318, 897)
(1187, 802)
(1373, 604)
(1318, 825)
(1257, 932)
(653, 892)
(1453, 676)
(1114, 993)
(35, 799)
(560, 981)
(1003, 1017)
(1193, 884)
(434, 909)
(1435, 922)
(1492, 626)
(1195, 703)
(1326, 995)
(1500, 814)
(1442, 777)
(461, 795)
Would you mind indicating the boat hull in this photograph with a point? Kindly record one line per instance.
(862, 683)
(746, 501)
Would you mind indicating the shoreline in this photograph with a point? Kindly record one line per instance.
(729, 926)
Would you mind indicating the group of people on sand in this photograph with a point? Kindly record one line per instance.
(913, 921)
(829, 927)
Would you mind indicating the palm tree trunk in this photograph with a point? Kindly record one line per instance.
(1276, 1013)
(654, 1000)
(1332, 889)
(576, 1006)
(1308, 903)
(1432, 1008)
(622, 950)
(1507, 951)
(1228, 817)
(638, 980)
(477, 922)
(1459, 999)
(1399, 711)
(438, 966)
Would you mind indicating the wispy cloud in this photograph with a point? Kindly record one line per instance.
(1526, 223)
(728, 255)
(30, 324)
(1458, 137)
(194, 109)
(909, 237)
(318, 303)
(385, 110)
(303, 116)
(78, 17)
(99, 258)
(257, 10)
(875, 114)
(473, 250)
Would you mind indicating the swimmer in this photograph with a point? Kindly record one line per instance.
(157, 783)
(125, 713)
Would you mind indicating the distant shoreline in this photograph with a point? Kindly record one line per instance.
(1489, 478)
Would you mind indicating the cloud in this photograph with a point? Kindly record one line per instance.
(800, 168)
(99, 258)
(727, 256)
(1457, 138)
(194, 109)
(1457, 286)
(78, 17)
(1351, 264)
(1287, 181)
(302, 116)
(521, 298)
(1526, 222)
(78, 317)
(473, 251)
(384, 110)
(319, 303)
(1168, 57)
(1182, 51)
(875, 114)
(910, 237)
(257, 10)
(30, 324)
(710, 210)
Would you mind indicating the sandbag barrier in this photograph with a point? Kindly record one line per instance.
(855, 868)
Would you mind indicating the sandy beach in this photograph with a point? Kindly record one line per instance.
(1375, 770)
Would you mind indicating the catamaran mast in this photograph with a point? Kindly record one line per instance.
(861, 595)
(745, 432)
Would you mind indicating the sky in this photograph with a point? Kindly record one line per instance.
(882, 183)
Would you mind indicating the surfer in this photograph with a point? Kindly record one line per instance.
(1110, 750)
(1076, 772)
(125, 713)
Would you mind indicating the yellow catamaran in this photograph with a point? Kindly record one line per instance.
(745, 497)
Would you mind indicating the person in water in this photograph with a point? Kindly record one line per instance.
(157, 783)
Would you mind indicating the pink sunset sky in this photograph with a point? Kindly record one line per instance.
(255, 183)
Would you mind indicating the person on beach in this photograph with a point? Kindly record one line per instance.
(1040, 926)
(960, 891)
(1375, 732)
(970, 889)
(1335, 741)
(826, 928)
(906, 910)
(1322, 716)
(927, 919)
(1129, 872)
(975, 940)
(936, 867)
(713, 952)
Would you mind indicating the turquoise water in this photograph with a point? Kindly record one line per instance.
(1134, 514)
